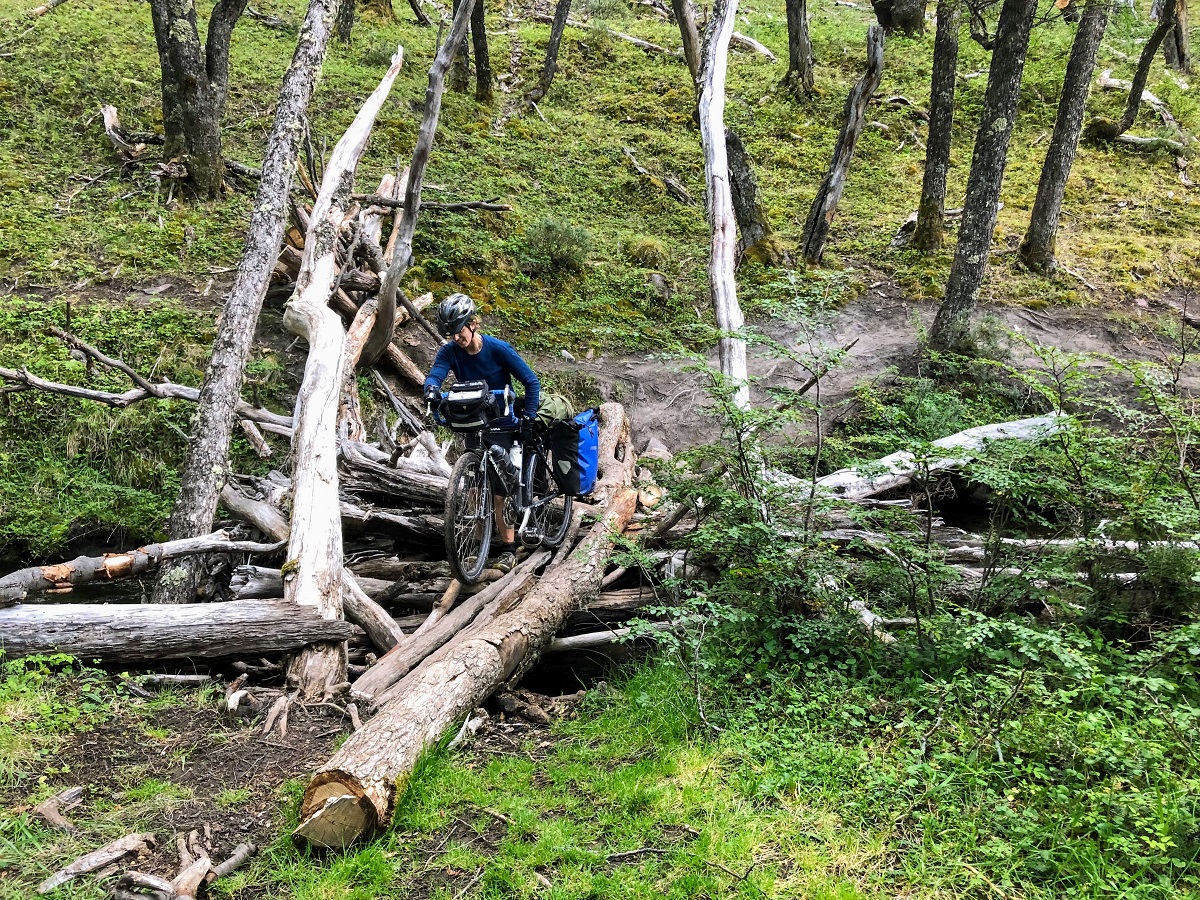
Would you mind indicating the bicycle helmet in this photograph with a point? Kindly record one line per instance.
(454, 312)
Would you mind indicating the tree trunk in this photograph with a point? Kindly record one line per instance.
(460, 72)
(685, 15)
(403, 235)
(1101, 129)
(315, 542)
(345, 21)
(906, 15)
(1037, 247)
(128, 633)
(1175, 46)
(799, 78)
(61, 577)
(204, 470)
(927, 236)
(561, 12)
(483, 62)
(354, 793)
(195, 84)
(756, 241)
(723, 246)
(824, 206)
(951, 327)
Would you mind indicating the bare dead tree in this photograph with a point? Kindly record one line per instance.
(824, 205)
(722, 256)
(927, 236)
(685, 16)
(402, 237)
(205, 467)
(562, 11)
(1037, 247)
(951, 327)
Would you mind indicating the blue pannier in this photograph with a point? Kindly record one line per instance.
(575, 452)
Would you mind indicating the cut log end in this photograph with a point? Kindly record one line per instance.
(335, 814)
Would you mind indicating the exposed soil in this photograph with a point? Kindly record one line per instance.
(203, 757)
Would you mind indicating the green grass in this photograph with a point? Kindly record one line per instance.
(816, 787)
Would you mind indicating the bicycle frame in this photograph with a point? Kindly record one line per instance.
(505, 428)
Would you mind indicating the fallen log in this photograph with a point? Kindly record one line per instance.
(151, 632)
(900, 468)
(357, 604)
(398, 662)
(61, 577)
(594, 639)
(748, 43)
(353, 794)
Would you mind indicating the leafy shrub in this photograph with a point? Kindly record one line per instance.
(553, 245)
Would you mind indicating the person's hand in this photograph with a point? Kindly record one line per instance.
(432, 397)
(527, 425)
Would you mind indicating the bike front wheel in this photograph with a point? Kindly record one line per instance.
(468, 523)
(549, 509)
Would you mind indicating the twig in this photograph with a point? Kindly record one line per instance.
(625, 854)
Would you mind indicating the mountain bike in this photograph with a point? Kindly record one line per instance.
(534, 505)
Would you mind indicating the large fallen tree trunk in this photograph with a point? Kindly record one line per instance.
(902, 467)
(353, 794)
(112, 566)
(149, 632)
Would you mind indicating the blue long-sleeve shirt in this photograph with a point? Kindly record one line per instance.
(497, 363)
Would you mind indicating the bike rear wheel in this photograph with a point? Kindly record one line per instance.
(549, 510)
(468, 523)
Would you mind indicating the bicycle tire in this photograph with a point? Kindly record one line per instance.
(468, 522)
(552, 519)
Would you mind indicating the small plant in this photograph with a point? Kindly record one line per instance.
(553, 245)
(232, 797)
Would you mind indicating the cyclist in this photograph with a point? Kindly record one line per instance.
(474, 356)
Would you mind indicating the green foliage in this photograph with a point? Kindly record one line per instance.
(34, 711)
(1033, 731)
(73, 464)
(553, 245)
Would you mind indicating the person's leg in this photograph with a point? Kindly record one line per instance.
(505, 551)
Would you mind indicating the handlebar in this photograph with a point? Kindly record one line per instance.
(502, 399)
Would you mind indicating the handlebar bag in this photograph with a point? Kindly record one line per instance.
(468, 406)
(575, 452)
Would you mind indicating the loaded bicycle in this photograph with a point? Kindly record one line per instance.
(504, 457)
